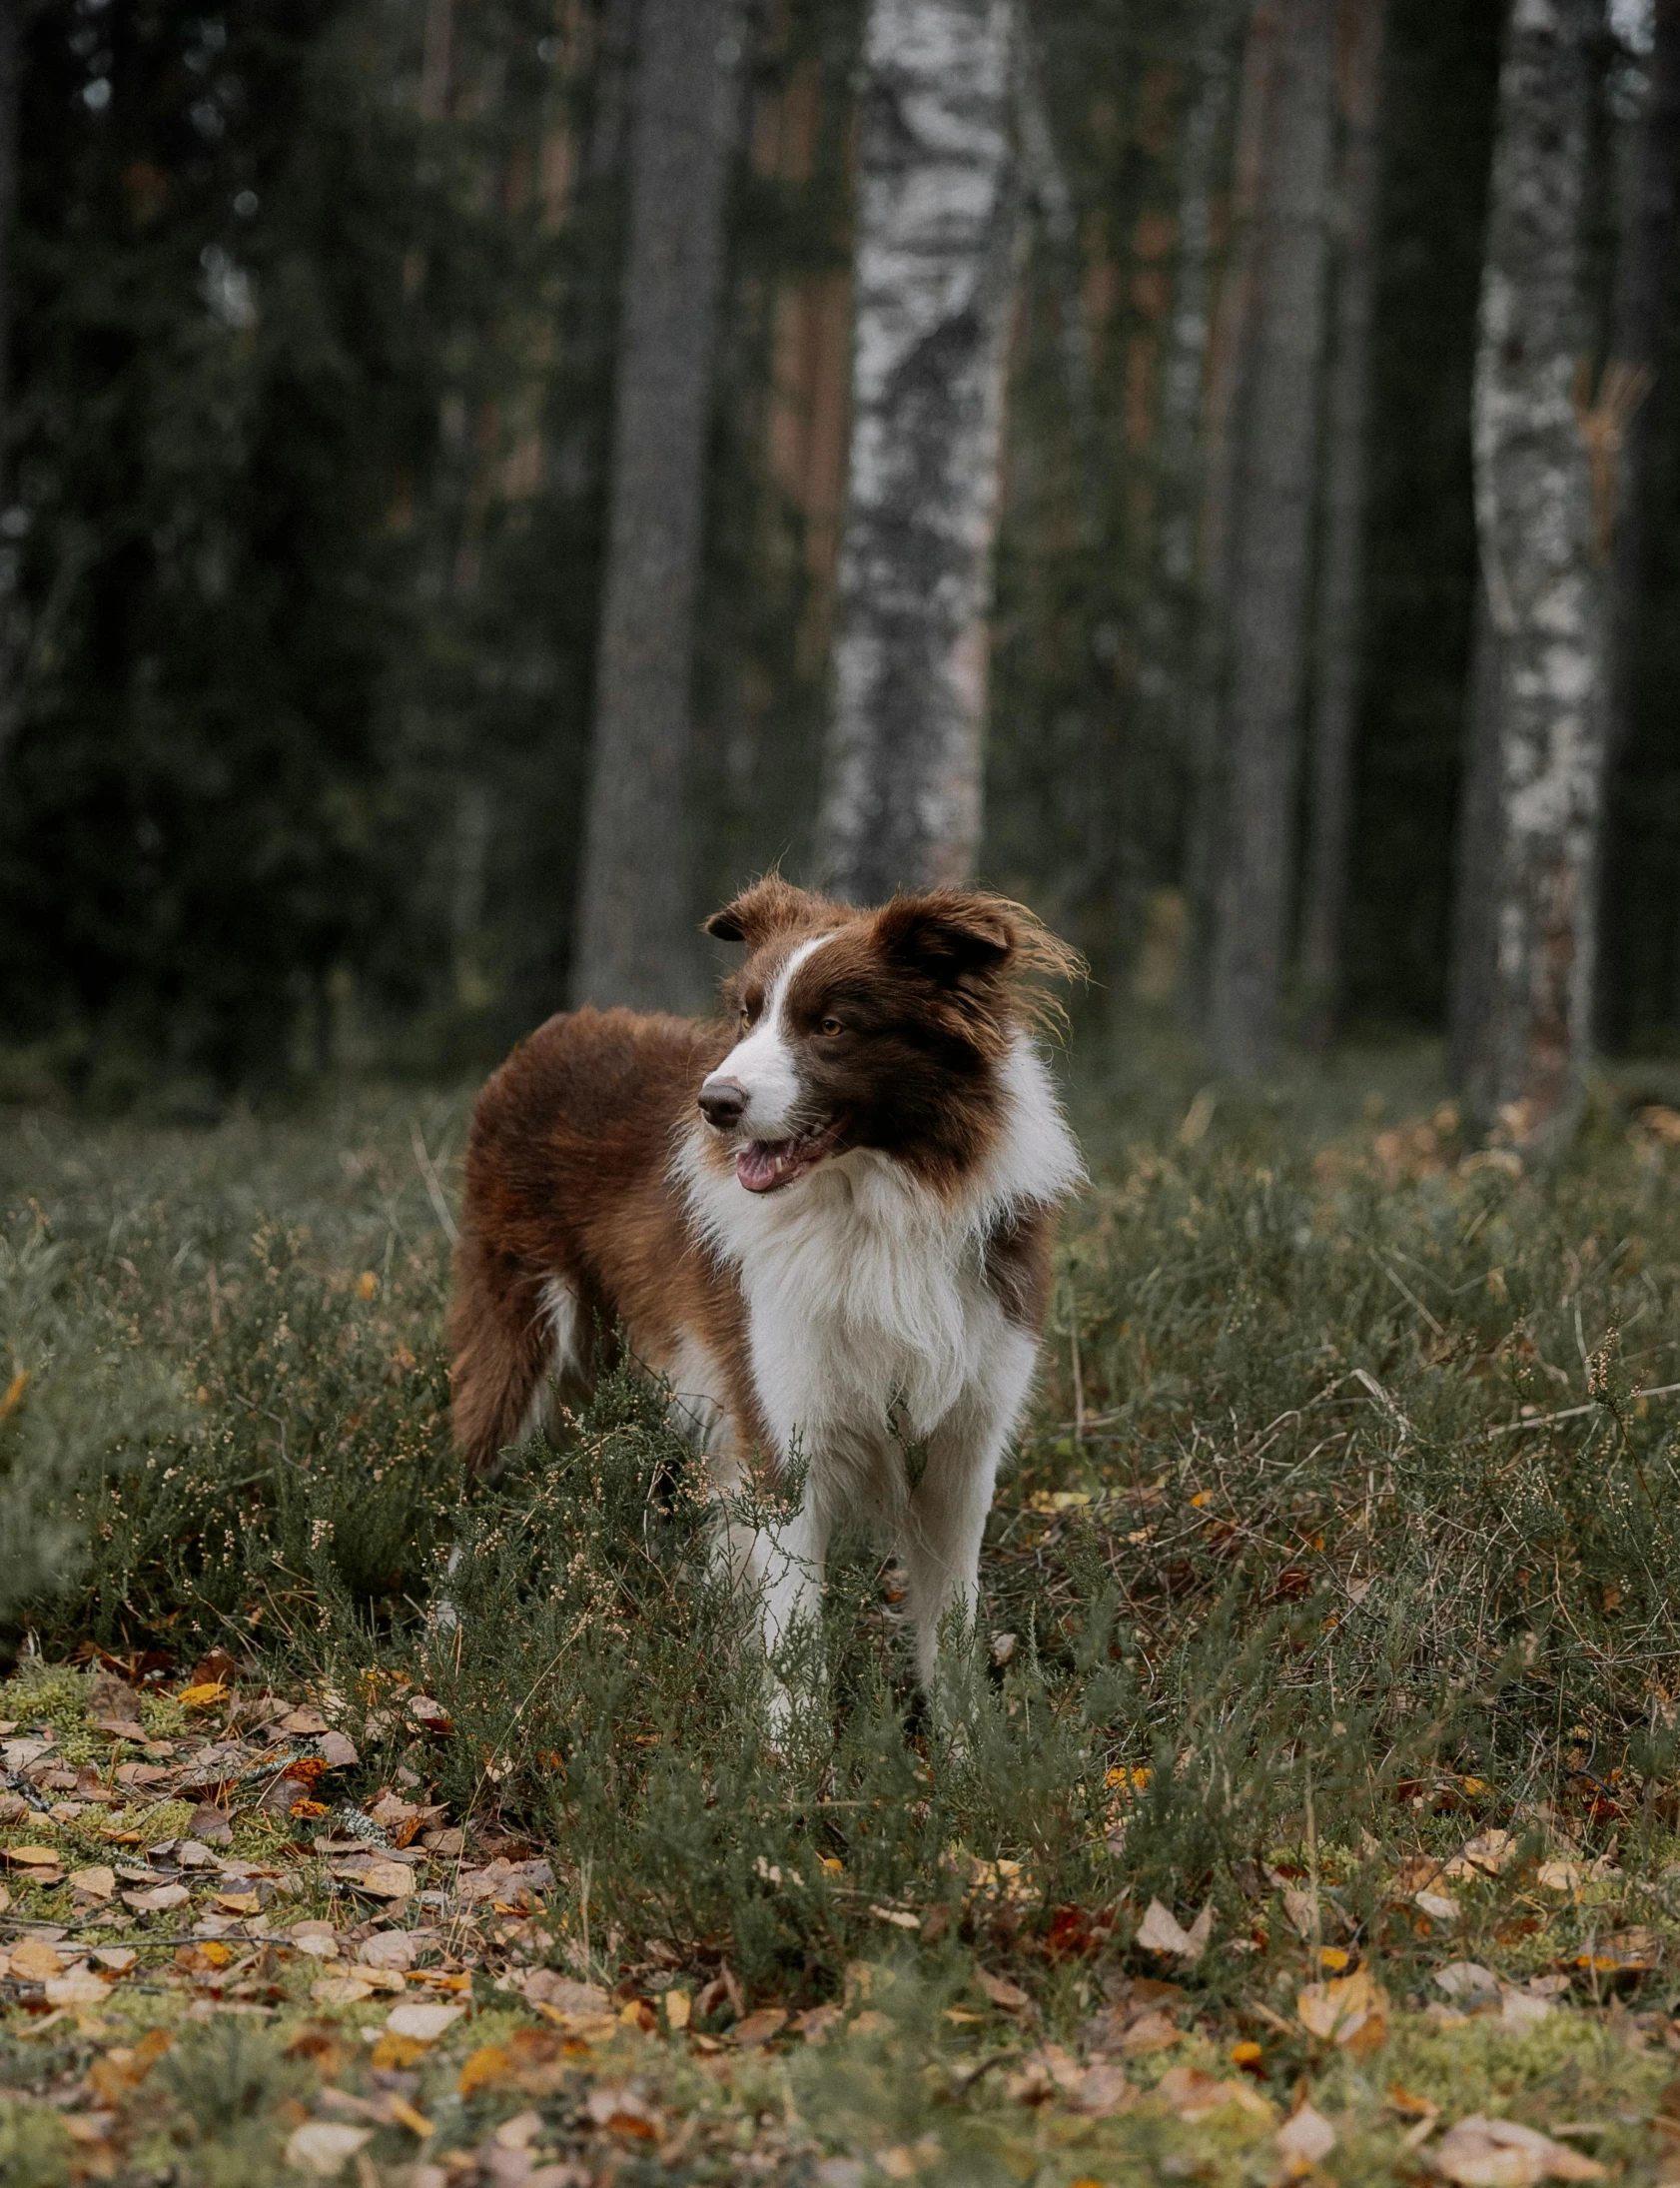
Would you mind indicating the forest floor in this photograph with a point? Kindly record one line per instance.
(1308, 1807)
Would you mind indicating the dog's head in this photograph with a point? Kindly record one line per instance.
(871, 1029)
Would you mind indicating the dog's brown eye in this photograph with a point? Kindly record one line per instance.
(831, 1025)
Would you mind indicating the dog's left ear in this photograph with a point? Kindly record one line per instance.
(947, 933)
(758, 912)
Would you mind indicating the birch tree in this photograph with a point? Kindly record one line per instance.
(1271, 547)
(1529, 844)
(1341, 583)
(935, 261)
(635, 919)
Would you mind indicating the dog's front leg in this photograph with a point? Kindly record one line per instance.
(945, 1519)
(778, 1561)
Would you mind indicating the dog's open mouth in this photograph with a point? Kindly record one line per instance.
(765, 1166)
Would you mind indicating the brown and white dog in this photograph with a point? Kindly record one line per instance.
(826, 1219)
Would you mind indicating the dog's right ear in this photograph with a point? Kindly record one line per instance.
(760, 912)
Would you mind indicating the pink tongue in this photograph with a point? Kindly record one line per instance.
(761, 1167)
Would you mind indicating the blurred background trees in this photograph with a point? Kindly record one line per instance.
(441, 552)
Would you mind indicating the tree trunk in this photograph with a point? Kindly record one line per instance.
(1530, 843)
(1342, 584)
(1271, 548)
(1635, 349)
(936, 264)
(1636, 341)
(1228, 360)
(10, 63)
(635, 941)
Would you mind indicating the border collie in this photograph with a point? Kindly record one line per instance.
(825, 1217)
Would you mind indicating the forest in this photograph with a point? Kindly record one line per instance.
(479, 485)
(443, 550)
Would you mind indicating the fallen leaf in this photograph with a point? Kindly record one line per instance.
(31, 1857)
(341, 1990)
(238, 1902)
(623, 2111)
(1002, 1992)
(156, 1899)
(521, 2130)
(406, 2116)
(75, 1990)
(303, 1722)
(395, 1948)
(1350, 2010)
(422, 2023)
(544, 1987)
(118, 1958)
(1161, 1931)
(323, 2147)
(395, 2054)
(201, 1697)
(487, 2069)
(1301, 1908)
(318, 1939)
(1623, 1953)
(1306, 2139)
(1468, 1983)
(1192, 2094)
(1153, 2031)
(1437, 1905)
(34, 1961)
(1485, 2153)
(338, 1752)
(384, 1880)
(677, 2005)
(1490, 1852)
(758, 2028)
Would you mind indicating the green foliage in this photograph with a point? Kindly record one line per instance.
(1305, 1572)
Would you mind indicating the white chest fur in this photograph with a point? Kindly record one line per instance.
(866, 1289)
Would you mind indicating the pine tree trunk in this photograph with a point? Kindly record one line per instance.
(1636, 341)
(1342, 584)
(935, 272)
(1271, 548)
(1523, 1007)
(1230, 356)
(635, 941)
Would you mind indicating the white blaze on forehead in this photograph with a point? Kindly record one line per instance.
(764, 1063)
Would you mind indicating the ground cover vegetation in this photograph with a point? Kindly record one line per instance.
(1307, 1803)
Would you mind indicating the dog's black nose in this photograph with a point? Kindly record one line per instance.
(723, 1102)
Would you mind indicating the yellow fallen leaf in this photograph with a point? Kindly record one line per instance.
(14, 1392)
(35, 1962)
(201, 1697)
(32, 1857)
(1351, 2010)
(679, 2005)
(415, 2123)
(485, 2069)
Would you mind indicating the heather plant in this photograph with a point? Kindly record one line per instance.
(1342, 1529)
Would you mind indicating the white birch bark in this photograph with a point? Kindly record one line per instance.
(935, 272)
(1530, 847)
(636, 930)
(1272, 550)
